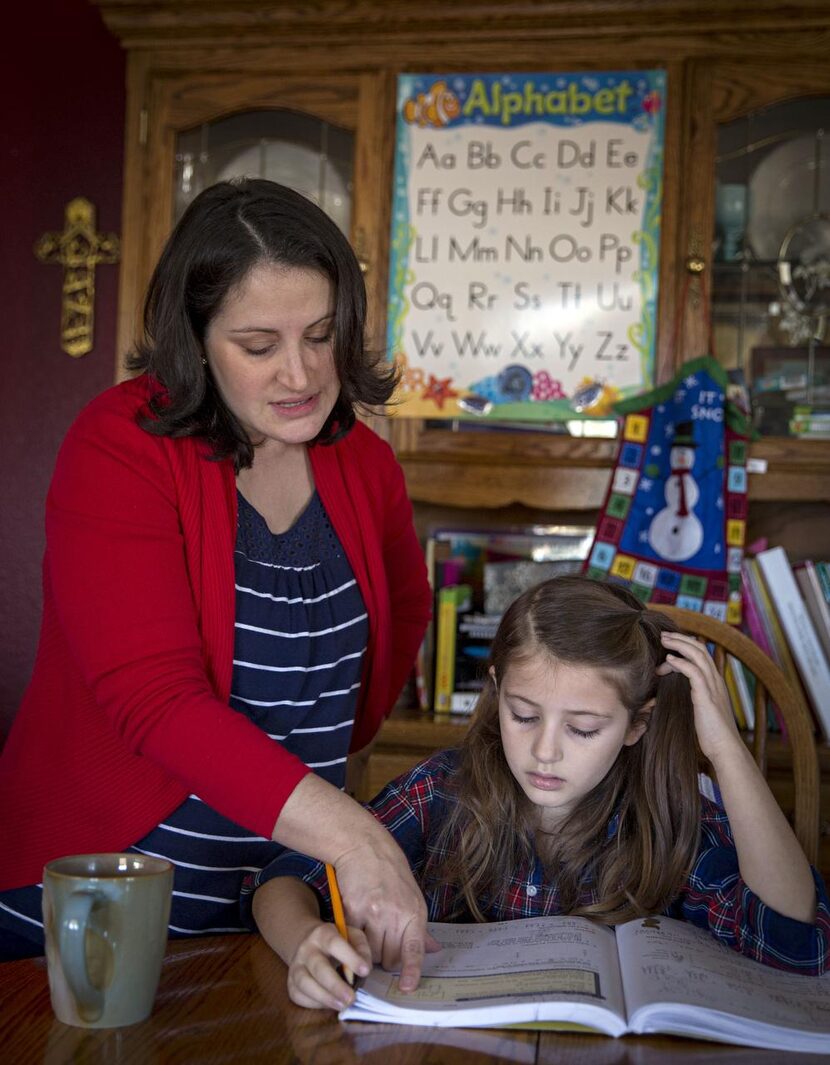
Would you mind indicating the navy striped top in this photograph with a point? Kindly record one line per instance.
(301, 633)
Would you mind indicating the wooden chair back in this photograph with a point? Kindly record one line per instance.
(769, 680)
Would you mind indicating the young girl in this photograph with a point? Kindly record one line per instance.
(575, 791)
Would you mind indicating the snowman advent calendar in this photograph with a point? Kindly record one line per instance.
(673, 524)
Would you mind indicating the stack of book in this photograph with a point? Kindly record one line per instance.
(475, 575)
(811, 422)
(462, 647)
(787, 615)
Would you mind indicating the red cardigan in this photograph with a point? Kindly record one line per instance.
(127, 710)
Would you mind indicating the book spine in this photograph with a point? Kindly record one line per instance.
(778, 642)
(444, 653)
(427, 654)
(799, 631)
(823, 574)
(782, 653)
(752, 613)
(745, 695)
(734, 696)
(449, 599)
(817, 607)
(757, 632)
(421, 684)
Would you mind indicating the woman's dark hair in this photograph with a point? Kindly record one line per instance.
(226, 231)
(651, 791)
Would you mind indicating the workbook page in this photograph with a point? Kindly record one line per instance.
(708, 985)
(550, 968)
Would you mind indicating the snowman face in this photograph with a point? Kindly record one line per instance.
(682, 458)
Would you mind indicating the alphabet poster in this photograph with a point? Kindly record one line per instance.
(525, 242)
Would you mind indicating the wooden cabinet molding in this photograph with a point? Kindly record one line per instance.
(707, 24)
(557, 472)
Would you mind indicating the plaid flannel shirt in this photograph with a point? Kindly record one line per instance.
(714, 896)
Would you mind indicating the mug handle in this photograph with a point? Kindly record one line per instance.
(76, 915)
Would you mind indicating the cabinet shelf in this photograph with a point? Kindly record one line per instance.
(539, 470)
(744, 284)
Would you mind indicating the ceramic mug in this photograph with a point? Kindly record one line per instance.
(105, 922)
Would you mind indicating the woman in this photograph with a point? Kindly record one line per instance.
(233, 589)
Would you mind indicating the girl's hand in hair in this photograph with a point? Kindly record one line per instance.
(770, 861)
(714, 721)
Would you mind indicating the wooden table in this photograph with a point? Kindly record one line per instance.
(223, 999)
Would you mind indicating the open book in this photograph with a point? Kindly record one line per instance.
(651, 975)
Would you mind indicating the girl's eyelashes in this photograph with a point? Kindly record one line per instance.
(585, 734)
(257, 351)
(320, 340)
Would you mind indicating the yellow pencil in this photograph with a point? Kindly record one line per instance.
(339, 917)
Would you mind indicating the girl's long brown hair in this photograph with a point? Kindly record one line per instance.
(652, 788)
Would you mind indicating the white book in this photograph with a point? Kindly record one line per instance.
(799, 630)
(653, 975)
(463, 702)
(817, 606)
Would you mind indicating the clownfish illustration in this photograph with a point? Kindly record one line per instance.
(434, 108)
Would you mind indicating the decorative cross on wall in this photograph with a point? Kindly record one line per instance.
(78, 249)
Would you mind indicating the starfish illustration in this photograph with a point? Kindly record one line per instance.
(438, 389)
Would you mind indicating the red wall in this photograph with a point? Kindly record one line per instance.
(63, 137)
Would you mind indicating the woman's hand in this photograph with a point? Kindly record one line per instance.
(715, 723)
(313, 979)
(380, 895)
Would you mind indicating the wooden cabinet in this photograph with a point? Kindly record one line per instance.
(193, 63)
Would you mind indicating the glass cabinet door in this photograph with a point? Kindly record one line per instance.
(754, 236)
(322, 134)
(770, 257)
(303, 151)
